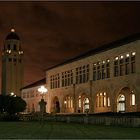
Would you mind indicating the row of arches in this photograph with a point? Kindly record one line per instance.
(124, 102)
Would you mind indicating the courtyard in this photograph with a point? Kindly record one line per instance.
(57, 130)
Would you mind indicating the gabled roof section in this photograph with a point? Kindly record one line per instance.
(37, 83)
(102, 48)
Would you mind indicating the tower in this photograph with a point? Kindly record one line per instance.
(12, 65)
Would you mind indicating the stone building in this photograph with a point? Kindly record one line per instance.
(105, 79)
(12, 65)
(32, 97)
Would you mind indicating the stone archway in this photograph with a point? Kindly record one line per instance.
(56, 105)
(83, 103)
(126, 100)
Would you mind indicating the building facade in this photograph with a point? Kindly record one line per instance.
(32, 96)
(12, 65)
(103, 80)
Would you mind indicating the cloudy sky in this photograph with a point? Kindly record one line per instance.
(52, 32)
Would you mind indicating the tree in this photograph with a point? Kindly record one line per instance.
(11, 104)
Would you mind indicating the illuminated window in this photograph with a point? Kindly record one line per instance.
(86, 104)
(108, 102)
(79, 102)
(102, 100)
(132, 98)
(121, 103)
(97, 102)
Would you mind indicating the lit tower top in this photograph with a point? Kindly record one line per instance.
(12, 35)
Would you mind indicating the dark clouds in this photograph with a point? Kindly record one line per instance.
(52, 32)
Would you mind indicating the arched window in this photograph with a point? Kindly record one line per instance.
(132, 98)
(79, 101)
(108, 101)
(102, 100)
(86, 105)
(121, 103)
(68, 102)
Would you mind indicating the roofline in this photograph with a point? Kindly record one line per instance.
(34, 84)
(102, 48)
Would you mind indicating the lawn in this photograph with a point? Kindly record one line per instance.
(54, 130)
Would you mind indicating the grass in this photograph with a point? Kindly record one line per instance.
(57, 130)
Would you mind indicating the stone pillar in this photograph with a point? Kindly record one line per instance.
(74, 99)
(42, 104)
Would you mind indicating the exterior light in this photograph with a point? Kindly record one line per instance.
(12, 30)
(20, 52)
(65, 102)
(108, 60)
(42, 90)
(12, 93)
(134, 53)
(116, 58)
(95, 64)
(103, 62)
(121, 56)
(9, 51)
(127, 55)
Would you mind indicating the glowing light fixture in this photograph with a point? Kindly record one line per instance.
(134, 53)
(116, 58)
(12, 30)
(103, 62)
(42, 90)
(127, 55)
(108, 60)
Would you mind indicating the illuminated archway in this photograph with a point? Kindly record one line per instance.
(86, 105)
(121, 103)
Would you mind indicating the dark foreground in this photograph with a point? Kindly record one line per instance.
(54, 130)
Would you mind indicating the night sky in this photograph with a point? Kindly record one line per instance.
(52, 32)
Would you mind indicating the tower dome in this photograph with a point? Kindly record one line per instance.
(12, 35)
